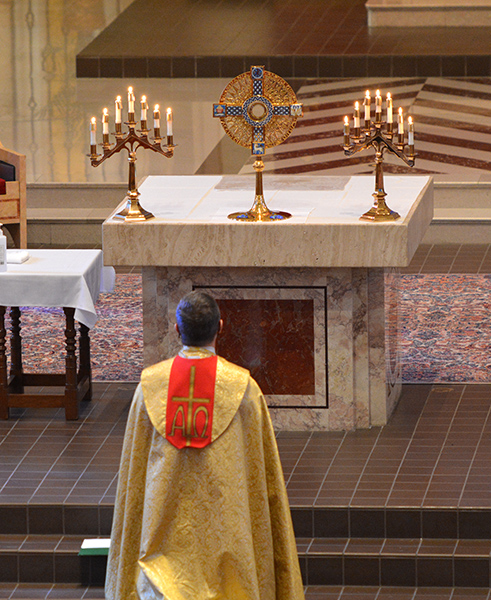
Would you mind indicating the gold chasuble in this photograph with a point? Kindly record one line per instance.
(201, 509)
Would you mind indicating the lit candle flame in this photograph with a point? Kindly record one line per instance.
(357, 105)
(93, 121)
(156, 107)
(346, 121)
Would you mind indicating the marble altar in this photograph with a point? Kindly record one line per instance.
(311, 303)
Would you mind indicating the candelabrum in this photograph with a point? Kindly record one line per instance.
(381, 136)
(130, 141)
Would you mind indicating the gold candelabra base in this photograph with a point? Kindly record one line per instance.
(133, 211)
(259, 210)
(380, 211)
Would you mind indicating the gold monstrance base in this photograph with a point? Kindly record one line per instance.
(259, 211)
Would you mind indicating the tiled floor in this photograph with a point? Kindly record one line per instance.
(451, 259)
(327, 38)
(434, 452)
(75, 592)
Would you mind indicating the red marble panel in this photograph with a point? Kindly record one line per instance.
(274, 339)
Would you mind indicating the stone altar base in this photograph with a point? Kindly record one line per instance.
(314, 339)
(306, 301)
(429, 13)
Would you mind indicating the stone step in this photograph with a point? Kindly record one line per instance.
(69, 213)
(308, 521)
(323, 561)
(48, 559)
(395, 562)
(26, 591)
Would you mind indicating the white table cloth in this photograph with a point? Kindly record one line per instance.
(57, 278)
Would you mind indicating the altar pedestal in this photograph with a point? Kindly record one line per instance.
(310, 304)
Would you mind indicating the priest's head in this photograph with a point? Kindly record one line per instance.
(198, 319)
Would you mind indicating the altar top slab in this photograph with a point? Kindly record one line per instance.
(191, 226)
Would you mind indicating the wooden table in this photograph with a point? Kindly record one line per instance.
(68, 278)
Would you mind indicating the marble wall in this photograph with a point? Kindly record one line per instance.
(315, 339)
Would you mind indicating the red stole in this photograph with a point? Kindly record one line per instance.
(190, 402)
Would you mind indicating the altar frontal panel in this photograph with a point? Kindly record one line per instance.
(314, 339)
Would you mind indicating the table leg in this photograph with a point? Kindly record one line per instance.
(16, 371)
(71, 403)
(4, 403)
(85, 368)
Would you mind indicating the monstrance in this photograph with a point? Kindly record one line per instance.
(258, 110)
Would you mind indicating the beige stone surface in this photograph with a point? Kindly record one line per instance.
(191, 228)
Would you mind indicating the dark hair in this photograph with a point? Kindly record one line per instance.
(198, 319)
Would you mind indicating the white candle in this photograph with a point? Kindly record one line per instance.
(118, 105)
(410, 131)
(144, 106)
(390, 118)
(378, 102)
(131, 100)
(93, 130)
(357, 115)
(156, 117)
(105, 122)
(169, 122)
(346, 131)
(400, 123)
(367, 105)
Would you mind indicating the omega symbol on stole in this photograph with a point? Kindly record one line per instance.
(190, 402)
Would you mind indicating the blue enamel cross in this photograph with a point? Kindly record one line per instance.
(257, 110)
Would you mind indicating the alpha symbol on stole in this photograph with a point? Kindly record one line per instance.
(188, 422)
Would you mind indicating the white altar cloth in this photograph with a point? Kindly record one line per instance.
(58, 278)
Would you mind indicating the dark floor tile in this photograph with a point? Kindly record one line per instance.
(403, 523)
(397, 571)
(331, 522)
(183, 67)
(67, 568)
(434, 572)
(135, 67)
(367, 523)
(361, 571)
(87, 66)
(440, 523)
(159, 66)
(208, 66)
(471, 572)
(36, 567)
(13, 519)
(475, 524)
(111, 67)
(325, 570)
(81, 519)
(45, 519)
(8, 567)
(302, 522)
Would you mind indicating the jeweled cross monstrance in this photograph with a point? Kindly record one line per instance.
(258, 110)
